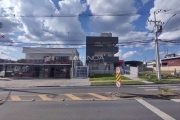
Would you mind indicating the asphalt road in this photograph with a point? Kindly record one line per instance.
(63, 90)
(86, 89)
(48, 104)
(90, 110)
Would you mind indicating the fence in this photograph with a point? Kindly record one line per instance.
(102, 71)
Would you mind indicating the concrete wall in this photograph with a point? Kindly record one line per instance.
(170, 68)
(101, 66)
(133, 71)
(40, 56)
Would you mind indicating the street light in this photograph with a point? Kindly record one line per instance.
(169, 20)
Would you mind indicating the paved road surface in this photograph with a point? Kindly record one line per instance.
(91, 110)
(86, 103)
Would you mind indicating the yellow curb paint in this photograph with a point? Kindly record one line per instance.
(15, 98)
(73, 97)
(99, 96)
(44, 97)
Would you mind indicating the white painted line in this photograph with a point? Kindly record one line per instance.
(147, 87)
(158, 89)
(155, 110)
(155, 85)
(159, 86)
(151, 89)
(176, 100)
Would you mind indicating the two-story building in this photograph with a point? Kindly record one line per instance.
(100, 51)
(44, 63)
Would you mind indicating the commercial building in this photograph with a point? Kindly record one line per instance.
(44, 63)
(100, 52)
(170, 62)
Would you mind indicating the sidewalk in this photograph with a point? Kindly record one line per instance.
(25, 83)
(137, 79)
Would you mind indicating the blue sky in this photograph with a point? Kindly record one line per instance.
(127, 28)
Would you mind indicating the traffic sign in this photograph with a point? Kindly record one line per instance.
(118, 77)
(118, 84)
(118, 70)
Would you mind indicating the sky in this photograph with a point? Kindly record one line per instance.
(67, 22)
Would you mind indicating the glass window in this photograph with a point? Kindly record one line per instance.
(62, 58)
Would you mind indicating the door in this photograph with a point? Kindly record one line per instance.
(52, 72)
(37, 70)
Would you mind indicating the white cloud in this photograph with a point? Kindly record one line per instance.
(120, 26)
(119, 54)
(171, 8)
(145, 1)
(46, 29)
(129, 54)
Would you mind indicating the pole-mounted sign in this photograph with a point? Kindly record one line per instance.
(118, 77)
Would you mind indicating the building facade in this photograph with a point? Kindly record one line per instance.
(44, 63)
(170, 62)
(100, 52)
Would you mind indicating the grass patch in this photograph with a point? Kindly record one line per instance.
(165, 78)
(101, 77)
(114, 83)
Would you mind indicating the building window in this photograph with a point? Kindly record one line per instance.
(94, 66)
(61, 58)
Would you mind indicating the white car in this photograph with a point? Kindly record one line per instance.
(2, 73)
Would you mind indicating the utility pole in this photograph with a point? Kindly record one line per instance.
(157, 29)
(1, 25)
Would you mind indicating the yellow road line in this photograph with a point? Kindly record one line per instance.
(15, 98)
(99, 96)
(44, 97)
(73, 97)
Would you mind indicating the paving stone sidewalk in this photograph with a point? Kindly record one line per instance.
(25, 83)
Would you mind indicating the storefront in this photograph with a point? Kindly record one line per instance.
(37, 71)
(44, 63)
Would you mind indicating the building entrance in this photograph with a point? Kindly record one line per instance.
(37, 70)
(52, 70)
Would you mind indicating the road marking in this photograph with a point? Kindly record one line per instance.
(158, 89)
(99, 96)
(159, 86)
(155, 110)
(44, 97)
(156, 85)
(73, 97)
(176, 100)
(15, 98)
(151, 89)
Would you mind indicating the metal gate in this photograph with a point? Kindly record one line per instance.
(82, 71)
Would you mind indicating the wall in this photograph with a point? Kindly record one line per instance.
(173, 62)
(102, 53)
(40, 56)
(170, 68)
(133, 71)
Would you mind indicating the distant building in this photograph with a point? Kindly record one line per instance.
(2, 61)
(151, 64)
(44, 63)
(100, 51)
(171, 60)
